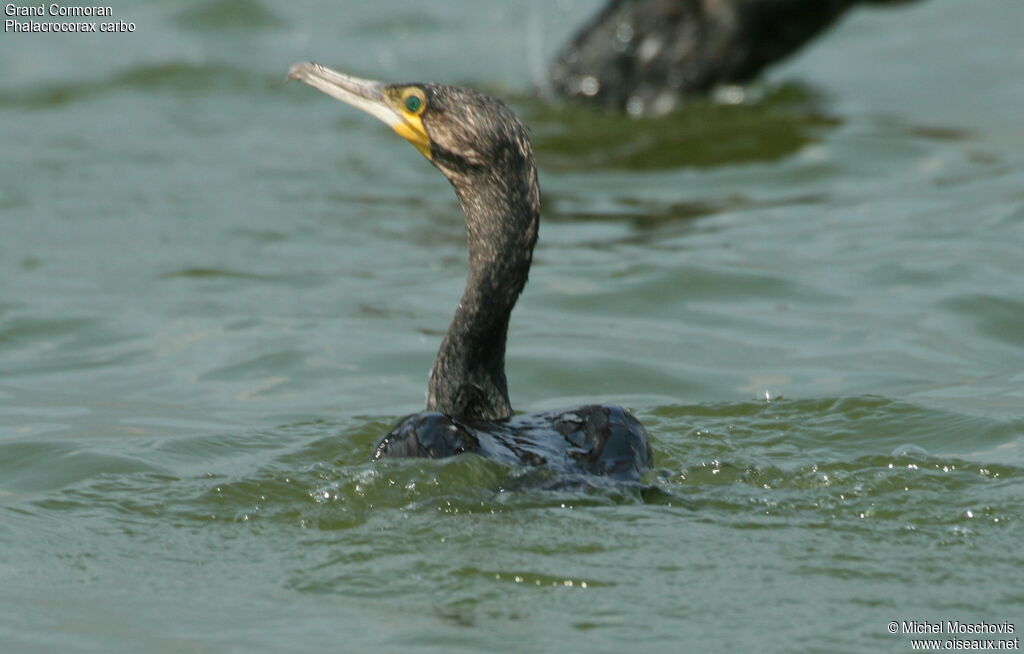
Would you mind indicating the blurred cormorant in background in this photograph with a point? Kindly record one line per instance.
(646, 57)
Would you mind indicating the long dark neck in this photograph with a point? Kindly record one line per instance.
(502, 209)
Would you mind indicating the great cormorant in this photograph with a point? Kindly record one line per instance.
(484, 151)
(647, 57)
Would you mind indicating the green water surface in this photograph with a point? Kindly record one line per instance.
(217, 290)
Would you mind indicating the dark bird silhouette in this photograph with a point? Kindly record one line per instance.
(485, 152)
(646, 57)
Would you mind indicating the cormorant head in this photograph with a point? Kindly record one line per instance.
(459, 130)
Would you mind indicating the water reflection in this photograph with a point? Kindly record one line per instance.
(705, 134)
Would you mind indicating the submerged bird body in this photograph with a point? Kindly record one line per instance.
(594, 439)
(485, 152)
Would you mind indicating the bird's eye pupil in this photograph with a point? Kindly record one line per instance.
(413, 103)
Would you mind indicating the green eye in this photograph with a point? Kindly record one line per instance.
(413, 103)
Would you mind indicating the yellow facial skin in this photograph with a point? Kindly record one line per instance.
(399, 107)
(410, 102)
